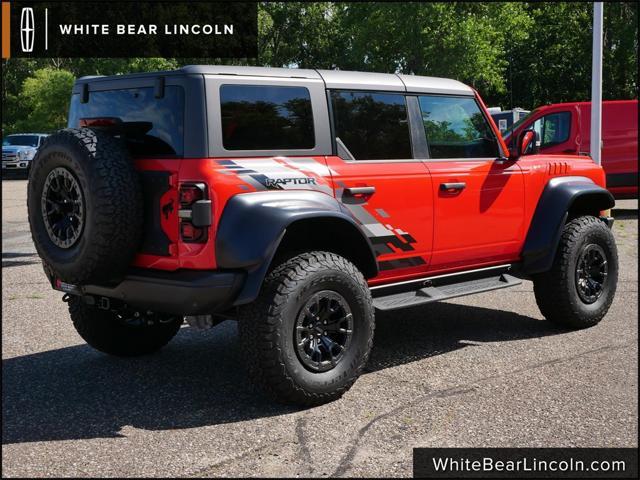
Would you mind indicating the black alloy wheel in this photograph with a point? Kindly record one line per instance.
(323, 331)
(62, 206)
(591, 273)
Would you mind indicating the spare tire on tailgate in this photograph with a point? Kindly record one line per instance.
(85, 206)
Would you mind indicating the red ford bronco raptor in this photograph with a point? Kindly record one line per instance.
(299, 202)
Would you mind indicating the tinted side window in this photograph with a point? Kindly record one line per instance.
(555, 128)
(456, 128)
(164, 117)
(262, 117)
(372, 126)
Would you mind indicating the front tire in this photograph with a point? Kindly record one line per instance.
(578, 290)
(308, 335)
(122, 333)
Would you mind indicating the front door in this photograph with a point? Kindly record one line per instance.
(377, 179)
(478, 197)
(558, 132)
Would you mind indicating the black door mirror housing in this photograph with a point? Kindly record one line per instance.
(526, 144)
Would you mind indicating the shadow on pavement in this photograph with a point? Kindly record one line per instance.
(197, 380)
(7, 263)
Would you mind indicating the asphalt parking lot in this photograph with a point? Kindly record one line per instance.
(482, 371)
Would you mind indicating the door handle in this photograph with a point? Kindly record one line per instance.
(449, 187)
(569, 150)
(360, 190)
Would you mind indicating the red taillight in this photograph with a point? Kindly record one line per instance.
(189, 194)
(192, 203)
(99, 122)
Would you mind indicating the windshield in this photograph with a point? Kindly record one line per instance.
(510, 130)
(21, 140)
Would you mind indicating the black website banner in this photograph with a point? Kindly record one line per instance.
(130, 29)
(525, 463)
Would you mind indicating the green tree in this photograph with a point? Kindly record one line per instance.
(554, 63)
(307, 35)
(620, 50)
(45, 95)
(459, 40)
(514, 53)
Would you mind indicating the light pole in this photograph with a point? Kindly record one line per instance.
(596, 84)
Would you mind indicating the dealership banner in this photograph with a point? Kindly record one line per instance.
(553, 463)
(129, 29)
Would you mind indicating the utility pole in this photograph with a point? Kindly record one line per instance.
(596, 84)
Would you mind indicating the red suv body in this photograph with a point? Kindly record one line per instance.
(298, 202)
(565, 128)
(415, 226)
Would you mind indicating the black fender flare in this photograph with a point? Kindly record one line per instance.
(557, 199)
(252, 225)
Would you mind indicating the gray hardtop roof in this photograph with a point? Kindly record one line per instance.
(336, 79)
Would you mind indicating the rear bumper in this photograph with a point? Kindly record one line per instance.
(183, 292)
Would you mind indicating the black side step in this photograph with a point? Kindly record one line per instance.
(444, 290)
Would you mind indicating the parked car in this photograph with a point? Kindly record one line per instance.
(19, 149)
(565, 128)
(299, 202)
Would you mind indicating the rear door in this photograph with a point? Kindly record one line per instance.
(379, 179)
(478, 196)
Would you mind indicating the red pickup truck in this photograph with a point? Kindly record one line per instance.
(565, 128)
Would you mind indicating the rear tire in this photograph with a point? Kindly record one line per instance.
(122, 334)
(578, 290)
(308, 335)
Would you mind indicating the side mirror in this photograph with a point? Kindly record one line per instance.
(526, 144)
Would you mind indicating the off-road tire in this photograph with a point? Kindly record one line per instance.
(104, 331)
(113, 205)
(266, 329)
(556, 291)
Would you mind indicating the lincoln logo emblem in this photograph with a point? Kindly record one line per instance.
(27, 32)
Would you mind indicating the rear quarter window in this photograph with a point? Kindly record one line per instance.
(166, 116)
(265, 117)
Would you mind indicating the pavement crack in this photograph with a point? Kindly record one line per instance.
(305, 453)
(347, 459)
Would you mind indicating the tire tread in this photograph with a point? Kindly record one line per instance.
(551, 289)
(260, 348)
